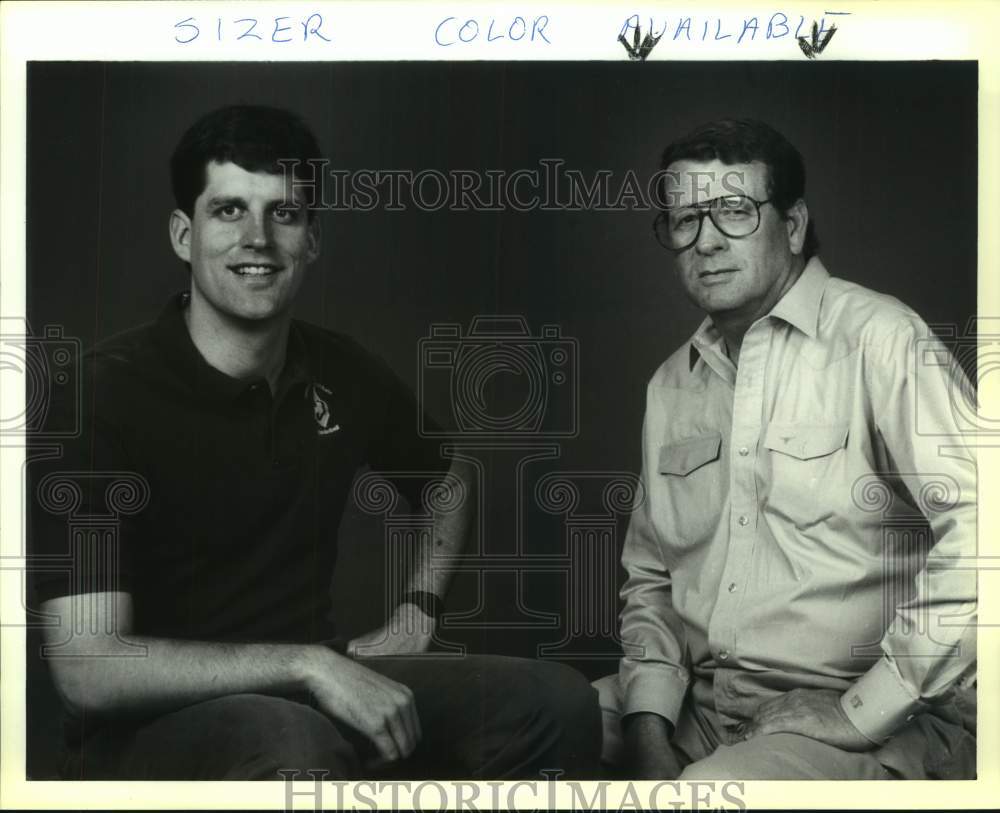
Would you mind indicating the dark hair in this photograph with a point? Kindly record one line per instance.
(253, 137)
(740, 141)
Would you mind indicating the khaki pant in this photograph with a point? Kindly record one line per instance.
(932, 746)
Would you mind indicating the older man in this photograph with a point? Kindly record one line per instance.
(199, 643)
(771, 629)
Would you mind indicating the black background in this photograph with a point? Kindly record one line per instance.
(891, 155)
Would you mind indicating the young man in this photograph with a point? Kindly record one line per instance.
(197, 643)
(772, 630)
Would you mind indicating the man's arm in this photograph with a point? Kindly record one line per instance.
(931, 641)
(653, 675)
(105, 673)
(648, 752)
(410, 630)
(651, 672)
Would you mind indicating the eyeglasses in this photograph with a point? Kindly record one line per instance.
(733, 215)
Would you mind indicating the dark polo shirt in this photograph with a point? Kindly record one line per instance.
(246, 489)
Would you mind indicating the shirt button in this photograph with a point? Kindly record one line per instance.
(723, 655)
(732, 587)
(744, 519)
(744, 451)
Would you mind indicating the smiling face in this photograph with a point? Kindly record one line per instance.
(248, 251)
(736, 278)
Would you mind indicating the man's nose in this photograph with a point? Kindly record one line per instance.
(710, 239)
(257, 231)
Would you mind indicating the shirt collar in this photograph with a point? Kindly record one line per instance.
(703, 339)
(800, 304)
(175, 340)
(707, 344)
(799, 307)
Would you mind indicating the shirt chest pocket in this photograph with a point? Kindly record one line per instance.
(808, 470)
(690, 489)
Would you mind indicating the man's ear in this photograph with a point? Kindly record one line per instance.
(313, 235)
(180, 234)
(797, 221)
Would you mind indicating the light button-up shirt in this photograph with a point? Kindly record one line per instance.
(783, 540)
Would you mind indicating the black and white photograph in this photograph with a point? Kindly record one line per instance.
(444, 425)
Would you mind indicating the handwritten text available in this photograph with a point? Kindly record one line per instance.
(737, 30)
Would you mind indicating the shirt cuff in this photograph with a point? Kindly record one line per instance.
(879, 702)
(657, 690)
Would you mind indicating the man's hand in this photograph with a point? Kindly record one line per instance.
(409, 631)
(814, 713)
(381, 709)
(648, 752)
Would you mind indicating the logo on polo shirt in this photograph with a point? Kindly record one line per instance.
(321, 410)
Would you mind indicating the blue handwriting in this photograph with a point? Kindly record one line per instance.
(269, 29)
(715, 29)
(451, 31)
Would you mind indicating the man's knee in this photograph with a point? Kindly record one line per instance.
(567, 696)
(782, 756)
(304, 738)
(269, 734)
(757, 759)
(569, 706)
(552, 710)
(712, 768)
